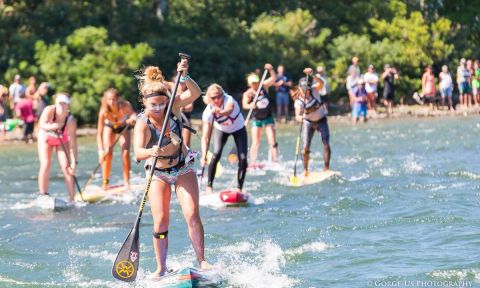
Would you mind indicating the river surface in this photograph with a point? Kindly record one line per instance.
(404, 212)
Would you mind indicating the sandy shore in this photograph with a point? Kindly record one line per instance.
(339, 115)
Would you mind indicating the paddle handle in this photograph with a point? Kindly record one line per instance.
(256, 97)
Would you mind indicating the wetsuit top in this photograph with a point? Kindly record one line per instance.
(175, 128)
(263, 107)
(313, 109)
(229, 123)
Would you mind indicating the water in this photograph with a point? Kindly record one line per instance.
(405, 209)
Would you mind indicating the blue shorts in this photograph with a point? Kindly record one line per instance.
(359, 109)
(464, 88)
(446, 92)
(282, 98)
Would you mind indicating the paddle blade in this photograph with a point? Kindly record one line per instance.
(126, 265)
(294, 180)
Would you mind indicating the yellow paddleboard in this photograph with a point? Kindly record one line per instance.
(313, 177)
(94, 193)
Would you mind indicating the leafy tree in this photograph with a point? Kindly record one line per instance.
(86, 64)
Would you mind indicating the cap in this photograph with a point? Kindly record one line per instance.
(62, 98)
(253, 78)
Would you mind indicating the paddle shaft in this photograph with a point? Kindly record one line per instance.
(297, 146)
(125, 261)
(68, 163)
(233, 151)
(103, 159)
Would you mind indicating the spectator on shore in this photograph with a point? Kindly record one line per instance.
(463, 82)
(389, 76)
(15, 91)
(31, 88)
(428, 86)
(471, 71)
(282, 87)
(359, 102)
(24, 110)
(476, 83)
(354, 67)
(352, 79)
(371, 83)
(321, 72)
(3, 111)
(446, 86)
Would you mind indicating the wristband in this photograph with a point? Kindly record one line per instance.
(185, 78)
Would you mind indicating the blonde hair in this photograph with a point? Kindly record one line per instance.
(213, 87)
(113, 91)
(151, 80)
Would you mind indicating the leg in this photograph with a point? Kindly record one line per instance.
(108, 139)
(219, 140)
(125, 148)
(187, 194)
(256, 134)
(64, 164)
(159, 198)
(272, 141)
(307, 136)
(325, 132)
(279, 107)
(285, 109)
(241, 143)
(45, 158)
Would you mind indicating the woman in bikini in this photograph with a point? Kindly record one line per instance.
(115, 119)
(175, 161)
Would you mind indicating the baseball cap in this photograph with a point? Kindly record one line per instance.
(62, 98)
(253, 78)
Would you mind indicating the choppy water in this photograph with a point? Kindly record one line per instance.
(405, 209)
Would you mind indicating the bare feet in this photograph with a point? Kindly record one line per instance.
(209, 190)
(205, 265)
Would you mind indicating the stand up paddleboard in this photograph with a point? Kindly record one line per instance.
(189, 277)
(314, 177)
(48, 202)
(94, 193)
(233, 196)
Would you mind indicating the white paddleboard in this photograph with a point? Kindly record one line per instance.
(313, 177)
(189, 277)
(48, 202)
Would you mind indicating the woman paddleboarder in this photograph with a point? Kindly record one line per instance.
(262, 113)
(58, 132)
(311, 111)
(222, 118)
(114, 120)
(174, 163)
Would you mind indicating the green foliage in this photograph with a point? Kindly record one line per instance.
(86, 65)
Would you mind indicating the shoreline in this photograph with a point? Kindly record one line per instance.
(340, 115)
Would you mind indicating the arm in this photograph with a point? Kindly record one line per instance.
(100, 127)
(206, 133)
(246, 98)
(141, 134)
(227, 110)
(273, 76)
(132, 115)
(44, 118)
(193, 92)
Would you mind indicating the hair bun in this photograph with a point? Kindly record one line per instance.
(153, 74)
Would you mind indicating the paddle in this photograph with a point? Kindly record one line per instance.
(206, 150)
(232, 155)
(68, 162)
(103, 159)
(294, 179)
(125, 266)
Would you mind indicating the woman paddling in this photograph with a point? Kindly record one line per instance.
(311, 111)
(58, 132)
(175, 161)
(223, 116)
(114, 120)
(262, 113)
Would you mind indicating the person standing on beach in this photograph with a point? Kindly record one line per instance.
(282, 87)
(476, 83)
(446, 86)
(15, 91)
(352, 80)
(389, 76)
(359, 102)
(428, 86)
(311, 111)
(58, 131)
(222, 118)
(31, 88)
(115, 119)
(3, 112)
(175, 165)
(371, 83)
(24, 110)
(262, 113)
(463, 82)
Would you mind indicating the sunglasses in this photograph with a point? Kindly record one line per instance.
(216, 97)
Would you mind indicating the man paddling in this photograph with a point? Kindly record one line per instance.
(311, 111)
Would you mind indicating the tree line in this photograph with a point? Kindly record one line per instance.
(85, 47)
